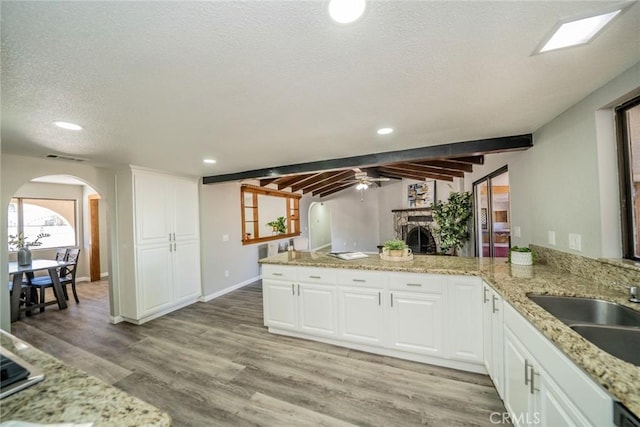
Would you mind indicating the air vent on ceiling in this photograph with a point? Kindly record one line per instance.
(62, 157)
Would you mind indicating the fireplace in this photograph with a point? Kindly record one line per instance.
(412, 226)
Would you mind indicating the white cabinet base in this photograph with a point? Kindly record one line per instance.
(157, 314)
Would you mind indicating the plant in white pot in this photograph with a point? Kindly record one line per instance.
(521, 256)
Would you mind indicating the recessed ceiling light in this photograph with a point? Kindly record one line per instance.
(577, 32)
(346, 11)
(385, 131)
(209, 161)
(68, 126)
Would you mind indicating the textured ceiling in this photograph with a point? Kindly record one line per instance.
(264, 83)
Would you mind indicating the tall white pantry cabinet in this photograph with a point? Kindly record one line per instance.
(159, 252)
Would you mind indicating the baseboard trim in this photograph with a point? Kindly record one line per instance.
(160, 313)
(105, 274)
(207, 298)
(114, 320)
(83, 279)
(321, 247)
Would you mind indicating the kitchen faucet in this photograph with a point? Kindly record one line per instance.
(633, 294)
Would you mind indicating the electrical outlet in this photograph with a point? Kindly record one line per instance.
(516, 231)
(552, 237)
(575, 242)
(225, 237)
(226, 273)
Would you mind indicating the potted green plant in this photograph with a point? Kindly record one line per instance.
(20, 243)
(453, 218)
(395, 248)
(521, 256)
(278, 225)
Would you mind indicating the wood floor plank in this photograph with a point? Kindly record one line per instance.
(215, 363)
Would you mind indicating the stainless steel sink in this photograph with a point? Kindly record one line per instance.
(574, 310)
(612, 327)
(623, 343)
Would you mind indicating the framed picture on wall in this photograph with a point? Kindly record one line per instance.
(422, 195)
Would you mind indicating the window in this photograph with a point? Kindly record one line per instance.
(263, 209)
(51, 216)
(628, 127)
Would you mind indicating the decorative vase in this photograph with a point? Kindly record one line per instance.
(521, 258)
(396, 252)
(24, 256)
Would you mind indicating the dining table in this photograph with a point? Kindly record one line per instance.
(18, 271)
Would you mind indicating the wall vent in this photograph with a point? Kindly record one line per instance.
(62, 157)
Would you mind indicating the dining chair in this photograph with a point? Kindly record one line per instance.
(66, 274)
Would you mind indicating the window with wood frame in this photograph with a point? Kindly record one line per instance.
(268, 214)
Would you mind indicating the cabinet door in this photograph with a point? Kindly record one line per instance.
(186, 211)
(280, 304)
(155, 283)
(464, 319)
(555, 408)
(495, 305)
(518, 398)
(186, 270)
(317, 309)
(416, 322)
(152, 201)
(487, 325)
(360, 315)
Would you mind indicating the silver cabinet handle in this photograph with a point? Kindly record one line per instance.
(526, 371)
(414, 284)
(293, 289)
(484, 297)
(174, 237)
(495, 309)
(170, 250)
(359, 280)
(379, 298)
(315, 277)
(276, 274)
(169, 236)
(532, 387)
(391, 299)
(175, 248)
(298, 289)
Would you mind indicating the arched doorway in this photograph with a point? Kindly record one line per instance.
(20, 171)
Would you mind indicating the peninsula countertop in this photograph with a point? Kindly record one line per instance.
(68, 395)
(620, 378)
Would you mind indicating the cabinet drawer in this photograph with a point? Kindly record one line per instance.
(278, 272)
(430, 283)
(317, 275)
(361, 278)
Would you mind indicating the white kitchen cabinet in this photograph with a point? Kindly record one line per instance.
(160, 240)
(361, 315)
(464, 314)
(280, 304)
(541, 385)
(317, 309)
(416, 322)
(493, 326)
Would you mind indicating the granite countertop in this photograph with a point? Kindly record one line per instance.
(68, 395)
(514, 282)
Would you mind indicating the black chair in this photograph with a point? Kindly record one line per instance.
(67, 275)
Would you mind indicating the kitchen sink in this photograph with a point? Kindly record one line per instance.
(623, 343)
(574, 310)
(612, 327)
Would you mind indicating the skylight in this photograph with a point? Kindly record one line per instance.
(578, 32)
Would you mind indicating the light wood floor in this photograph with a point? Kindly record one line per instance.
(215, 364)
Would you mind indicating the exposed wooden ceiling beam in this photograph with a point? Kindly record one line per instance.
(335, 189)
(320, 186)
(447, 164)
(267, 181)
(307, 182)
(460, 149)
(474, 160)
(414, 167)
(286, 181)
(413, 175)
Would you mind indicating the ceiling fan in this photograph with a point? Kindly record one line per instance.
(363, 181)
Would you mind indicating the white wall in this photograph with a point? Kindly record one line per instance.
(319, 225)
(219, 216)
(568, 181)
(19, 170)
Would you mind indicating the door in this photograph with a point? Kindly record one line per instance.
(186, 270)
(361, 315)
(94, 238)
(152, 208)
(154, 278)
(464, 321)
(281, 308)
(317, 305)
(185, 210)
(416, 322)
(518, 397)
(492, 214)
